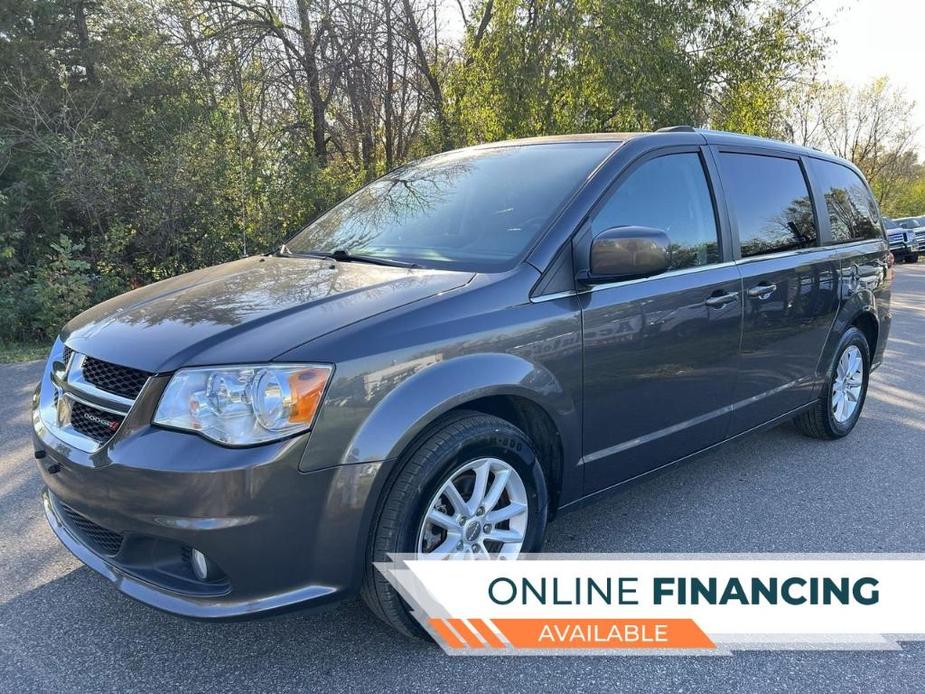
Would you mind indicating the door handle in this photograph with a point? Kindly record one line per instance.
(762, 291)
(720, 300)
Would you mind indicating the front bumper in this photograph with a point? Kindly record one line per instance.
(282, 538)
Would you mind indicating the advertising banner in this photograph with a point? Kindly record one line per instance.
(665, 604)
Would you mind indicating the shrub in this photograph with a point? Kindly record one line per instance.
(15, 307)
(60, 289)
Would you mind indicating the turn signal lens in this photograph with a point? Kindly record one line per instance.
(307, 387)
(244, 405)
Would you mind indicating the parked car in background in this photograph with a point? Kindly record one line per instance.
(903, 243)
(452, 355)
(917, 226)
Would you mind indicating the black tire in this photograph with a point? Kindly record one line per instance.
(820, 421)
(449, 444)
(914, 258)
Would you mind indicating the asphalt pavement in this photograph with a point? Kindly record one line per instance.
(64, 628)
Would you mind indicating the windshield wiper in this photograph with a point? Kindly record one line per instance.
(341, 255)
(347, 257)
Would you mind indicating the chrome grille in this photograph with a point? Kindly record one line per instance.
(95, 536)
(97, 424)
(113, 378)
(85, 403)
(898, 239)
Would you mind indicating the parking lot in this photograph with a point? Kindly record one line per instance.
(64, 628)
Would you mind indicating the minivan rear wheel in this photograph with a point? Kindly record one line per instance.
(470, 488)
(839, 407)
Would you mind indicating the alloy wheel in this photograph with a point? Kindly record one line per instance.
(480, 511)
(847, 385)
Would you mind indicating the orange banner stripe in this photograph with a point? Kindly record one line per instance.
(603, 633)
(444, 631)
(486, 633)
(470, 638)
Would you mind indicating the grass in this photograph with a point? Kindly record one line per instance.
(10, 353)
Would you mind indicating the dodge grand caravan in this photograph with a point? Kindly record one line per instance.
(452, 355)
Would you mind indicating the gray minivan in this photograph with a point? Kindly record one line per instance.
(452, 355)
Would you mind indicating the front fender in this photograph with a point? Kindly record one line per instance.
(420, 399)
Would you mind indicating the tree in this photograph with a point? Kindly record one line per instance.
(158, 136)
(909, 200)
(870, 126)
(552, 66)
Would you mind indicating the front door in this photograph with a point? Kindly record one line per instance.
(660, 353)
(790, 285)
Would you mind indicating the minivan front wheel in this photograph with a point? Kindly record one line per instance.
(839, 407)
(481, 509)
(470, 488)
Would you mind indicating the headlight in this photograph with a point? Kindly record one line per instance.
(243, 405)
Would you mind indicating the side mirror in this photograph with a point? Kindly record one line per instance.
(624, 253)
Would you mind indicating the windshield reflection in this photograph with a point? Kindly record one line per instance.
(476, 209)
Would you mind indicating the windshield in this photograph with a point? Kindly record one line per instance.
(890, 224)
(476, 209)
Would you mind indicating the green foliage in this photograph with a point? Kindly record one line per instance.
(37, 303)
(158, 136)
(14, 310)
(135, 175)
(909, 199)
(61, 287)
(599, 65)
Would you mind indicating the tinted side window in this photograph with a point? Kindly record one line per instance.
(852, 211)
(668, 193)
(770, 201)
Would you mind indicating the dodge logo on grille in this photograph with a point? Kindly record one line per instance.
(97, 419)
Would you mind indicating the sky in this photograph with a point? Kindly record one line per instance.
(879, 37)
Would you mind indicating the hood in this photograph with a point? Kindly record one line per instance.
(245, 311)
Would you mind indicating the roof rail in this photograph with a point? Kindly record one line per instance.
(677, 129)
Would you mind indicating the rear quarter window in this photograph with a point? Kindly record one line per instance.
(852, 211)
